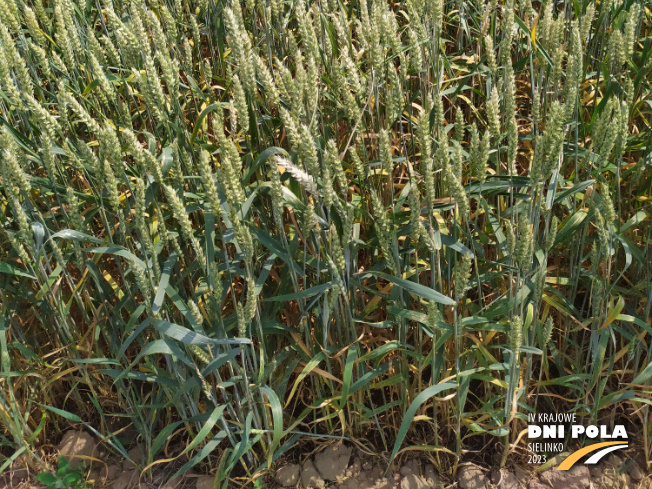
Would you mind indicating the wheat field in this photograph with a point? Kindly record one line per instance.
(247, 227)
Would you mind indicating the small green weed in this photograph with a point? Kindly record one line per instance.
(66, 477)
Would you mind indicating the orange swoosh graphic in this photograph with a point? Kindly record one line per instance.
(574, 457)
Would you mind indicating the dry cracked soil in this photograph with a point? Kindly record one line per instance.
(335, 467)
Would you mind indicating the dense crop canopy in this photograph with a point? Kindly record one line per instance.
(262, 223)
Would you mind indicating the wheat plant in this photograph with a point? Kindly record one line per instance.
(247, 226)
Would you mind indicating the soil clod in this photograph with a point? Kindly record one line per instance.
(288, 476)
(76, 446)
(310, 478)
(576, 478)
(472, 477)
(332, 462)
(413, 481)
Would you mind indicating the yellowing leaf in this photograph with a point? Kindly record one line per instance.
(613, 312)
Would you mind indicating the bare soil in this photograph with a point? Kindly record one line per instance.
(339, 466)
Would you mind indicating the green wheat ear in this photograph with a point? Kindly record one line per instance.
(515, 334)
(548, 330)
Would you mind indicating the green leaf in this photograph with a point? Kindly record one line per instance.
(365, 380)
(69, 416)
(276, 248)
(415, 288)
(188, 337)
(91, 86)
(119, 251)
(202, 454)
(201, 117)
(10, 269)
(277, 419)
(644, 376)
(312, 364)
(167, 158)
(426, 394)
(47, 479)
(163, 283)
(163, 346)
(570, 226)
(572, 191)
(78, 236)
(262, 158)
(348, 375)
(304, 294)
(381, 351)
(636, 219)
(205, 430)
